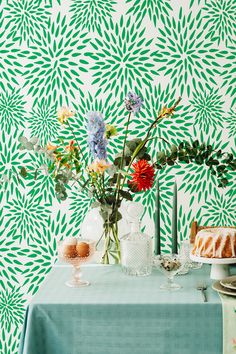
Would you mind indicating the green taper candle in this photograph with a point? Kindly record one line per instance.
(157, 244)
(175, 221)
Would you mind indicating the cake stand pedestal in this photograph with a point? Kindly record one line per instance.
(219, 266)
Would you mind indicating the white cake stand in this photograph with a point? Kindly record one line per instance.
(219, 266)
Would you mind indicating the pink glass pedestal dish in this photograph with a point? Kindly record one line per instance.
(76, 262)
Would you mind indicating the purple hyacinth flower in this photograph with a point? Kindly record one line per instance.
(96, 135)
(133, 102)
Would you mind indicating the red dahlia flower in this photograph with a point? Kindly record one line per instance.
(143, 176)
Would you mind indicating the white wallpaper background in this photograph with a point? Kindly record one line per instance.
(88, 54)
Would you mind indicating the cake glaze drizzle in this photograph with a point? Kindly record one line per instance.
(215, 243)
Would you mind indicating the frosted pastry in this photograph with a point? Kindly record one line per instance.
(215, 243)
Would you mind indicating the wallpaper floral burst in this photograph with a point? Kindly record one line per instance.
(88, 54)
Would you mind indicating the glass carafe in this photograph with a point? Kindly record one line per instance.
(136, 248)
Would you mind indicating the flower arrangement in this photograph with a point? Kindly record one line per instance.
(129, 172)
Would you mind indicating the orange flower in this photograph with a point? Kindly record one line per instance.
(65, 164)
(71, 146)
(99, 166)
(51, 147)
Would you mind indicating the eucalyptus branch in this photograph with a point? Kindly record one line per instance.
(220, 163)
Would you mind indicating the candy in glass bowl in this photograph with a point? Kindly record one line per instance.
(169, 265)
(76, 251)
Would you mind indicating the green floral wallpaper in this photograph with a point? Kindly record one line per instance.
(88, 54)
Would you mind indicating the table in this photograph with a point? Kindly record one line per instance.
(119, 314)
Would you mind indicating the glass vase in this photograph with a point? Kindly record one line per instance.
(111, 244)
(106, 234)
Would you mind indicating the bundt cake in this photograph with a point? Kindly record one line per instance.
(215, 243)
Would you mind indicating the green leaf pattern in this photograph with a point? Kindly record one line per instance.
(91, 15)
(25, 18)
(87, 55)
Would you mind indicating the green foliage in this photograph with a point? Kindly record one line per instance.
(218, 162)
(173, 129)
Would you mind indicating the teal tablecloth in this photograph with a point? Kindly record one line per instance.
(118, 314)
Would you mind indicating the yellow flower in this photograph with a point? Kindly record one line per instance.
(169, 111)
(63, 114)
(98, 166)
(51, 147)
(166, 112)
(110, 131)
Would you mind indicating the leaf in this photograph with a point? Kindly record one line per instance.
(23, 172)
(126, 195)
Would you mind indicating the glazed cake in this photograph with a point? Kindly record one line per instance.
(215, 243)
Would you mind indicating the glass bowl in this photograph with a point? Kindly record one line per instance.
(169, 265)
(76, 251)
(185, 251)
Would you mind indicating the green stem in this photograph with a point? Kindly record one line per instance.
(105, 257)
(95, 191)
(121, 164)
(134, 156)
(103, 183)
(160, 116)
(100, 239)
(81, 186)
(115, 234)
